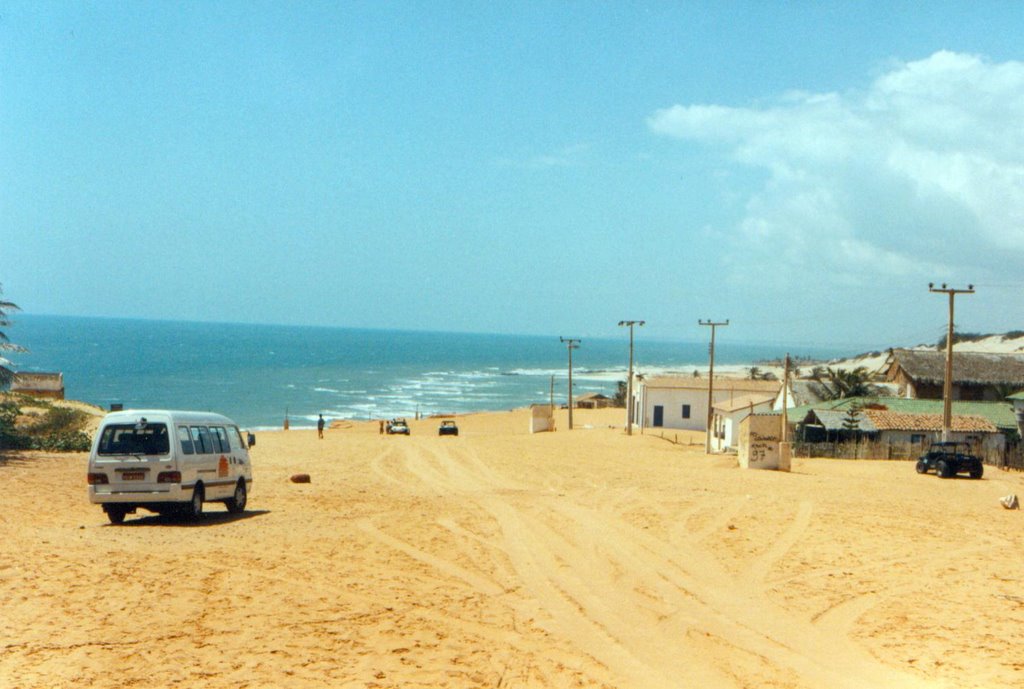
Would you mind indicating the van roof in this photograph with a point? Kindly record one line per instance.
(173, 414)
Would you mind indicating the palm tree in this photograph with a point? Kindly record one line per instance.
(756, 373)
(6, 345)
(841, 383)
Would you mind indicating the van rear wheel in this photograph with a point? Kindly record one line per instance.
(115, 513)
(194, 508)
(236, 503)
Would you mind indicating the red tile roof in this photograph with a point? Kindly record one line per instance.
(900, 421)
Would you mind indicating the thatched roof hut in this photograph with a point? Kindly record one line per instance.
(976, 375)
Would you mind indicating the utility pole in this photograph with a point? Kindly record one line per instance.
(785, 399)
(629, 381)
(711, 379)
(570, 344)
(947, 386)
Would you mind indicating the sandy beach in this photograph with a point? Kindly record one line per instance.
(502, 559)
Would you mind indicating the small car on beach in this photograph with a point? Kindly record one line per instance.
(448, 427)
(947, 459)
(398, 427)
(168, 461)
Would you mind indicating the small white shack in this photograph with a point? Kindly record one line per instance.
(761, 445)
(48, 385)
(729, 414)
(682, 401)
(542, 418)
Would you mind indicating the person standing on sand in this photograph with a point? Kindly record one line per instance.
(320, 427)
(382, 426)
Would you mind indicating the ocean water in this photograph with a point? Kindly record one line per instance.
(258, 374)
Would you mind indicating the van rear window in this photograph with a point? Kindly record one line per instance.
(132, 439)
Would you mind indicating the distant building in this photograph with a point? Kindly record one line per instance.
(803, 392)
(729, 414)
(682, 401)
(977, 376)
(922, 429)
(48, 385)
(830, 414)
(1018, 409)
(894, 421)
(593, 400)
(799, 393)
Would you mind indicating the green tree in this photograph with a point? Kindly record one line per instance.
(6, 345)
(756, 373)
(619, 400)
(851, 422)
(842, 383)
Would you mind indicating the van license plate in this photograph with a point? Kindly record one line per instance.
(133, 475)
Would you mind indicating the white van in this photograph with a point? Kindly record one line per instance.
(168, 461)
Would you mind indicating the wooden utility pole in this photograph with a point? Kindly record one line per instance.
(570, 344)
(947, 386)
(785, 399)
(711, 380)
(629, 381)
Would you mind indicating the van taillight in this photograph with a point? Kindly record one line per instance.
(97, 479)
(169, 477)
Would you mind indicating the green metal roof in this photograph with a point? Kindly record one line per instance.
(999, 413)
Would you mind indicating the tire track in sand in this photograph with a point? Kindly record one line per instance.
(656, 615)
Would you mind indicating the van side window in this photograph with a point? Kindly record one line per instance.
(186, 440)
(235, 437)
(196, 440)
(220, 439)
(202, 440)
(204, 435)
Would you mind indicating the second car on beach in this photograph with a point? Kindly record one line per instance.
(398, 427)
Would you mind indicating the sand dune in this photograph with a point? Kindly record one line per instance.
(501, 559)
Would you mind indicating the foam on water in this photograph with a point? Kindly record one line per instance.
(255, 374)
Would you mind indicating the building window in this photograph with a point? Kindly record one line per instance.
(917, 438)
(686, 411)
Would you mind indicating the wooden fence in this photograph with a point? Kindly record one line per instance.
(1010, 458)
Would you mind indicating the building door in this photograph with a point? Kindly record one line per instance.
(659, 415)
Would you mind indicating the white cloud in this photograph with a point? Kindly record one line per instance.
(567, 156)
(920, 175)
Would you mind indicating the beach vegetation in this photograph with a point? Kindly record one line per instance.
(977, 337)
(619, 398)
(755, 373)
(30, 424)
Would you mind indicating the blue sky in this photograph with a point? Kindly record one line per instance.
(802, 169)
